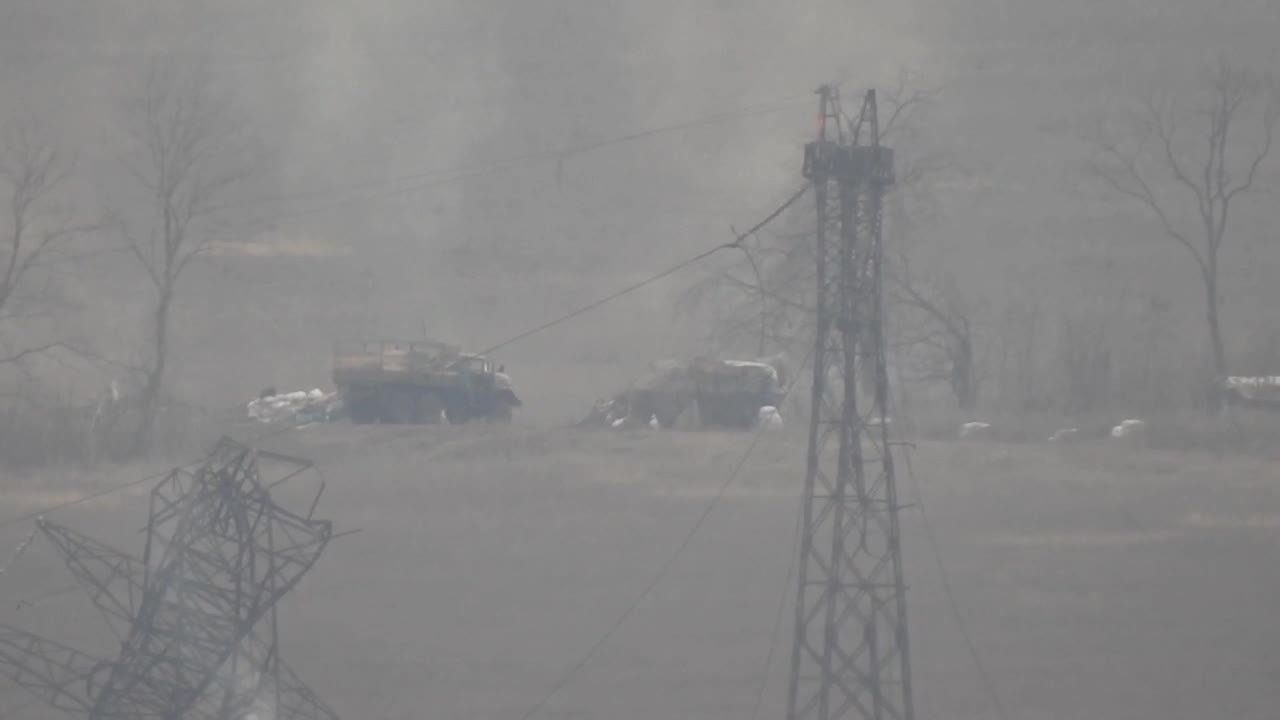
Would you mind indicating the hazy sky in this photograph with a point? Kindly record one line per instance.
(383, 124)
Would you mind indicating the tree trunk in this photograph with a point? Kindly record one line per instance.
(963, 383)
(1215, 332)
(150, 394)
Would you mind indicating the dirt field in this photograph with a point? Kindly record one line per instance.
(1096, 582)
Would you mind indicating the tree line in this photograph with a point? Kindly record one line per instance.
(1187, 160)
(185, 146)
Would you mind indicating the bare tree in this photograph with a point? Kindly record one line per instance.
(933, 321)
(1212, 164)
(189, 147)
(934, 331)
(32, 173)
(1018, 344)
(1085, 357)
(765, 300)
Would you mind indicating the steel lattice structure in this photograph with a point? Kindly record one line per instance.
(850, 653)
(196, 615)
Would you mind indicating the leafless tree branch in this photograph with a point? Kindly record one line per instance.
(1130, 182)
(189, 150)
(29, 352)
(1232, 92)
(904, 100)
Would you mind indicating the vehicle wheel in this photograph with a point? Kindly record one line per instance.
(708, 412)
(746, 414)
(501, 414)
(667, 419)
(363, 412)
(430, 407)
(402, 408)
(455, 414)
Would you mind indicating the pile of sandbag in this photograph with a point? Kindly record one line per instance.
(769, 418)
(297, 408)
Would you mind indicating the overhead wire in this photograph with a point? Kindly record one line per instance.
(665, 568)
(470, 171)
(274, 432)
(17, 553)
(505, 343)
(776, 633)
(988, 683)
(284, 429)
(736, 243)
(794, 197)
(666, 565)
(782, 603)
(121, 487)
(460, 173)
(35, 600)
(606, 299)
(433, 178)
(35, 514)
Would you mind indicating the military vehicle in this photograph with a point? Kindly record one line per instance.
(730, 393)
(1253, 392)
(725, 393)
(424, 381)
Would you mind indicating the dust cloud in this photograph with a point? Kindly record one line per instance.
(468, 170)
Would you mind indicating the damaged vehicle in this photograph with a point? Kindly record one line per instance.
(419, 382)
(1252, 392)
(709, 391)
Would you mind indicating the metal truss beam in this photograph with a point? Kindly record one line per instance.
(850, 652)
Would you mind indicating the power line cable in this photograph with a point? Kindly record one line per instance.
(988, 684)
(441, 177)
(606, 299)
(26, 517)
(467, 172)
(10, 712)
(463, 173)
(37, 600)
(17, 553)
(456, 174)
(776, 633)
(274, 432)
(665, 567)
(736, 243)
(111, 490)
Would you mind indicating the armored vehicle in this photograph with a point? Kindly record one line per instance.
(424, 381)
(724, 393)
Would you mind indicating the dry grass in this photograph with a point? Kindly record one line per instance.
(1095, 579)
(1236, 432)
(33, 436)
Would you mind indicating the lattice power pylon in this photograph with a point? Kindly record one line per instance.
(850, 654)
(196, 615)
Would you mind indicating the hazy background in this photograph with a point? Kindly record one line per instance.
(392, 196)
(407, 185)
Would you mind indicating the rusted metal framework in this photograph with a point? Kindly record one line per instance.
(196, 614)
(850, 654)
